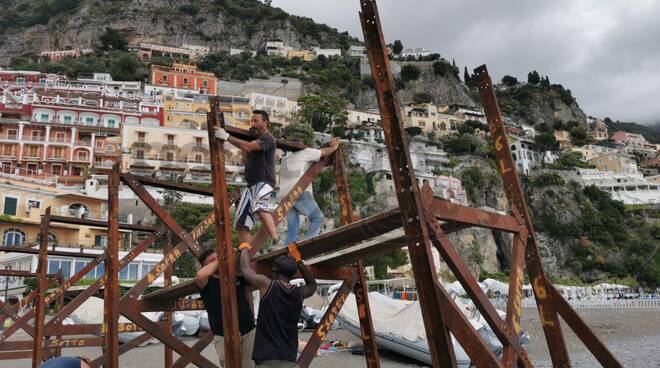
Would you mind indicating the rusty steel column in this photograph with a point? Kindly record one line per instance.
(360, 289)
(226, 259)
(514, 304)
(405, 182)
(40, 305)
(167, 281)
(111, 290)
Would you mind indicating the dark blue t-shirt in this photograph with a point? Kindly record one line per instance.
(260, 166)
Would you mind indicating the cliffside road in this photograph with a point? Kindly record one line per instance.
(632, 335)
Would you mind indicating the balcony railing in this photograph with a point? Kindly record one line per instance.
(84, 143)
(37, 138)
(56, 158)
(8, 137)
(59, 140)
(175, 159)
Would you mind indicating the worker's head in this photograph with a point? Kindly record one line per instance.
(284, 267)
(207, 256)
(299, 133)
(259, 122)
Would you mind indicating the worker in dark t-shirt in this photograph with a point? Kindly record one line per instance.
(209, 284)
(276, 339)
(259, 157)
(67, 362)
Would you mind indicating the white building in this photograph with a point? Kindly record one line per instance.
(359, 117)
(372, 157)
(415, 52)
(277, 48)
(233, 51)
(627, 188)
(69, 265)
(527, 156)
(279, 108)
(357, 51)
(326, 52)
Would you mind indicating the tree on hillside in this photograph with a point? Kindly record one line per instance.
(322, 112)
(397, 48)
(410, 73)
(533, 78)
(112, 39)
(413, 131)
(545, 82)
(298, 131)
(546, 142)
(509, 81)
(579, 136)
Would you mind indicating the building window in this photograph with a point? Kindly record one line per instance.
(139, 154)
(33, 151)
(56, 169)
(170, 139)
(170, 156)
(185, 81)
(55, 265)
(164, 79)
(141, 137)
(7, 150)
(12, 134)
(198, 142)
(205, 83)
(130, 271)
(100, 241)
(111, 123)
(60, 137)
(83, 156)
(198, 158)
(36, 136)
(67, 119)
(13, 238)
(44, 117)
(58, 152)
(89, 120)
(52, 239)
(20, 80)
(110, 148)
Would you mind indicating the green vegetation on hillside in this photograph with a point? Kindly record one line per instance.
(650, 132)
(17, 14)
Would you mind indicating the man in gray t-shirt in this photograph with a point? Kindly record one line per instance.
(259, 156)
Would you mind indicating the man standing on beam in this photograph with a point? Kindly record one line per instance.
(208, 281)
(276, 340)
(292, 168)
(259, 158)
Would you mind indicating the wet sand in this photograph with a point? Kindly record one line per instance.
(633, 335)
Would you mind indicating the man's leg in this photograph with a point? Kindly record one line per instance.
(247, 344)
(308, 207)
(219, 343)
(244, 220)
(292, 225)
(269, 223)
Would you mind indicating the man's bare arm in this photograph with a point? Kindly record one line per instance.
(202, 277)
(244, 146)
(327, 151)
(260, 281)
(310, 282)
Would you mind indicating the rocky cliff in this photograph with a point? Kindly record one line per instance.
(26, 27)
(537, 104)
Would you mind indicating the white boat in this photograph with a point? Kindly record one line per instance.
(398, 327)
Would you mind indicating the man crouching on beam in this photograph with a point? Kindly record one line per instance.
(276, 340)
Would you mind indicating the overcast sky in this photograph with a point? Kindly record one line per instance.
(607, 52)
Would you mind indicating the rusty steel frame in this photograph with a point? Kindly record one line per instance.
(549, 301)
(425, 219)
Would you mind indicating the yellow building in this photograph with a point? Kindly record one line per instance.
(173, 153)
(305, 55)
(23, 203)
(431, 118)
(185, 110)
(563, 138)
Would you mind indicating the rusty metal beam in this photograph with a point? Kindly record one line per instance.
(514, 303)
(142, 193)
(99, 223)
(112, 268)
(169, 316)
(247, 136)
(448, 251)
(226, 259)
(360, 287)
(412, 210)
(199, 346)
(325, 323)
(179, 187)
(450, 212)
(40, 306)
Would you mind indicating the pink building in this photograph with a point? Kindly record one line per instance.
(632, 139)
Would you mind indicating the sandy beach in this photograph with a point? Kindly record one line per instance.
(632, 335)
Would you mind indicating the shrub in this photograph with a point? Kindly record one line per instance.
(409, 73)
(189, 9)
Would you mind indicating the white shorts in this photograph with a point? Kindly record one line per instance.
(258, 197)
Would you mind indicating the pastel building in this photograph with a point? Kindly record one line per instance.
(431, 118)
(184, 76)
(615, 162)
